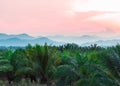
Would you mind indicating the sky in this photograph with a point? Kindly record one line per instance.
(60, 17)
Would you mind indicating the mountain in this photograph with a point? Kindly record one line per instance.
(25, 39)
(24, 42)
(103, 43)
(23, 36)
(20, 36)
(87, 40)
(75, 39)
(4, 36)
(83, 40)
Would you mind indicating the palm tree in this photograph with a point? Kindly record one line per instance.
(6, 69)
(91, 71)
(39, 57)
(112, 63)
(21, 64)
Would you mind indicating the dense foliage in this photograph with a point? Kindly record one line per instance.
(66, 65)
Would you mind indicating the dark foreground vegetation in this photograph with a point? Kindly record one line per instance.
(67, 65)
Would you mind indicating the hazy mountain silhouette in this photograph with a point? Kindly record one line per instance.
(75, 39)
(23, 40)
(84, 40)
(87, 40)
(103, 43)
(21, 36)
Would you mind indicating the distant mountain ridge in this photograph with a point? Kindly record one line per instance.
(87, 40)
(24, 40)
(104, 43)
(75, 39)
(83, 40)
(20, 36)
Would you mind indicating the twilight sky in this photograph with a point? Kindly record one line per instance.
(59, 17)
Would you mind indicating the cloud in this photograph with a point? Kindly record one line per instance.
(110, 19)
(96, 5)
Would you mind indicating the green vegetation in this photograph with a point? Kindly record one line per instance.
(66, 65)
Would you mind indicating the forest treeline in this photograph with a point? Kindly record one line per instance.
(65, 65)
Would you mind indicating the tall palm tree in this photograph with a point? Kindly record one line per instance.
(39, 57)
(21, 64)
(6, 69)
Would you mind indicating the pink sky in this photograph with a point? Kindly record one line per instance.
(59, 17)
